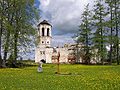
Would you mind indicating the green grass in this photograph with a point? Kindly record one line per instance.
(82, 77)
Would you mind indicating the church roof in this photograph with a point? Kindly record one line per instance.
(44, 22)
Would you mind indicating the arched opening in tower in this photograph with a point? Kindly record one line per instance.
(47, 31)
(42, 31)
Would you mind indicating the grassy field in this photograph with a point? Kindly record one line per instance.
(82, 77)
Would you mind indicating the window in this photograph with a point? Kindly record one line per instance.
(43, 52)
(42, 41)
(47, 31)
(40, 52)
(42, 31)
(47, 41)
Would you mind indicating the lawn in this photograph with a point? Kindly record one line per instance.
(72, 77)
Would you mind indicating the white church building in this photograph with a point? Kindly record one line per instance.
(44, 50)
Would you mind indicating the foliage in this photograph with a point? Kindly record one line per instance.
(99, 38)
(113, 26)
(17, 18)
(105, 28)
(84, 35)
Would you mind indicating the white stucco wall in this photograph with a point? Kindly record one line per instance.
(49, 52)
(39, 54)
(63, 54)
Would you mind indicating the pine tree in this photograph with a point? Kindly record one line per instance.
(117, 28)
(85, 33)
(113, 24)
(110, 24)
(99, 38)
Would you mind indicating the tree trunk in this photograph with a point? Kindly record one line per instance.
(15, 36)
(15, 42)
(116, 27)
(101, 33)
(111, 36)
(10, 19)
(1, 45)
(1, 30)
(6, 48)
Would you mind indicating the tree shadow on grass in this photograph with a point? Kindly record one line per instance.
(68, 74)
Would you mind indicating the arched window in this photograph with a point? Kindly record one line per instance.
(43, 31)
(43, 52)
(47, 31)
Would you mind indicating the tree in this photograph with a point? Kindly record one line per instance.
(113, 24)
(24, 16)
(116, 11)
(2, 19)
(85, 33)
(19, 17)
(110, 25)
(99, 38)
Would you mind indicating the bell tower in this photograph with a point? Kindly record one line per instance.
(43, 41)
(44, 33)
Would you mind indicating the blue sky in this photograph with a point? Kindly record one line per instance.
(65, 17)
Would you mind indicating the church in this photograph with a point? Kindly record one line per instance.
(44, 50)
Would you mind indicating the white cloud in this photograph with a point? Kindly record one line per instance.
(64, 15)
(45, 2)
(61, 40)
